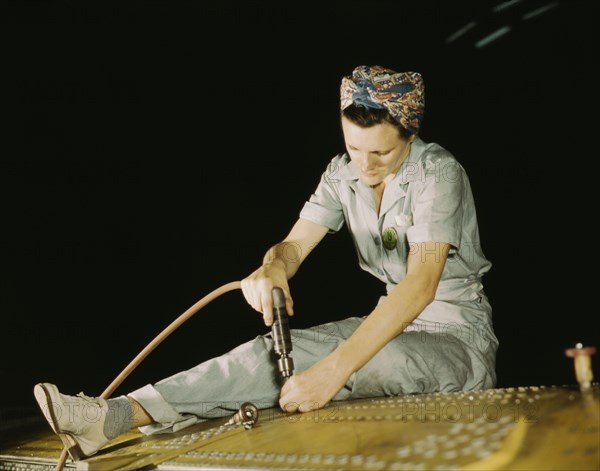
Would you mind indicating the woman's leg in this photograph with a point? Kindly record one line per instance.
(425, 362)
(218, 387)
(215, 388)
(414, 362)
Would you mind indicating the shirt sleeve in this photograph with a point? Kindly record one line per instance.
(324, 206)
(437, 203)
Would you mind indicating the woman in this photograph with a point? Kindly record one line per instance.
(410, 211)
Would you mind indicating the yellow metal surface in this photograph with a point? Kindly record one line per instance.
(524, 428)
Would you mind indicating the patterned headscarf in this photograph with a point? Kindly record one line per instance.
(401, 93)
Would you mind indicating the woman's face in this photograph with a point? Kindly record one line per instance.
(377, 151)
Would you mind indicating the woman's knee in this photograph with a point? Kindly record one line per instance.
(415, 362)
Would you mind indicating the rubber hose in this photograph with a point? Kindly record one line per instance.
(152, 345)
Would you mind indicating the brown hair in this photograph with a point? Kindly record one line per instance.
(367, 117)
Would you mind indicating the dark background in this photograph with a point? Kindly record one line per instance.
(152, 151)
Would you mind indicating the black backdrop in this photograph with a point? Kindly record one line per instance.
(154, 150)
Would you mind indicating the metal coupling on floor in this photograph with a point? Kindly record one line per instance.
(247, 415)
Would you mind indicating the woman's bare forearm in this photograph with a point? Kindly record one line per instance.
(384, 323)
(285, 255)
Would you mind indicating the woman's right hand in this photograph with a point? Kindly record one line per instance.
(257, 288)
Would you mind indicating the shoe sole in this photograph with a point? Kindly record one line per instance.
(44, 399)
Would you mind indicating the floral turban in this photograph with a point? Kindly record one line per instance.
(401, 93)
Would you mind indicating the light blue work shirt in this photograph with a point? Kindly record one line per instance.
(429, 199)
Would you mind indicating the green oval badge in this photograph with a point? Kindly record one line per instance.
(390, 238)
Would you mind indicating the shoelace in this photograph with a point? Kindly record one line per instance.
(93, 400)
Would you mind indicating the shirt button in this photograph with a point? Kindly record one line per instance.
(377, 241)
(380, 272)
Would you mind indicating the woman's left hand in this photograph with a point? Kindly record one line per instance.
(313, 388)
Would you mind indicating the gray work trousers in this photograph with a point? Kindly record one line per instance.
(451, 359)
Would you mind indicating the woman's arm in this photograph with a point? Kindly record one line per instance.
(293, 250)
(316, 386)
(280, 263)
(406, 301)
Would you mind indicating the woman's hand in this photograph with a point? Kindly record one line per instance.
(313, 388)
(258, 286)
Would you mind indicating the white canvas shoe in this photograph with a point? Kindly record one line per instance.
(77, 420)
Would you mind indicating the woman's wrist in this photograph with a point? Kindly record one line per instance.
(276, 263)
(342, 362)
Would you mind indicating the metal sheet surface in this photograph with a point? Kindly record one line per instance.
(524, 428)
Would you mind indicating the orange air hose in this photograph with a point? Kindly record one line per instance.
(152, 345)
